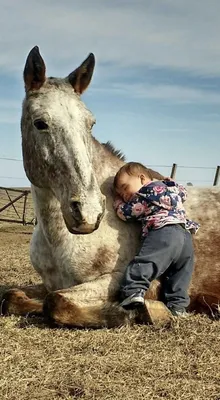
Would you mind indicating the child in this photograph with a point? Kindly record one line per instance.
(167, 248)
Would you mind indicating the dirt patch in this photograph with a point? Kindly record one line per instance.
(179, 363)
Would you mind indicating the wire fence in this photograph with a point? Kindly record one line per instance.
(201, 176)
(16, 203)
(191, 175)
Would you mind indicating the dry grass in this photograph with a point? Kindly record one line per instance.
(181, 363)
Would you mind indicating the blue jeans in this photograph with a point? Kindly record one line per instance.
(166, 253)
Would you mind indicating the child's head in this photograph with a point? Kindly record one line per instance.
(130, 178)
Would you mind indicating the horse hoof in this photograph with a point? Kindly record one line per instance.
(15, 302)
(155, 313)
(11, 302)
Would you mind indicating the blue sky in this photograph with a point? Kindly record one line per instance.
(156, 87)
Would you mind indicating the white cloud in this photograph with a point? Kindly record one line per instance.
(10, 110)
(123, 34)
(171, 93)
(179, 34)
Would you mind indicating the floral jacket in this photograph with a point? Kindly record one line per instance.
(157, 204)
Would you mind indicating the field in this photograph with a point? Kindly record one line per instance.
(139, 362)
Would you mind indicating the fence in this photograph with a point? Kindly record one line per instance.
(197, 175)
(215, 180)
(16, 206)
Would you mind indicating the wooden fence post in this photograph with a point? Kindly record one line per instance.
(173, 171)
(217, 174)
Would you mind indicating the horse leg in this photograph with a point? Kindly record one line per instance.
(94, 305)
(24, 300)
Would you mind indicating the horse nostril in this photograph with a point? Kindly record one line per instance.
(100, 216)
(74, 205)
(75, 209)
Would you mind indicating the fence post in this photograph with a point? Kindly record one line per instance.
(24, 209)
(217, 174)
(173, 171)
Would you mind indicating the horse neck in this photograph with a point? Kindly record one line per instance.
(105, 166)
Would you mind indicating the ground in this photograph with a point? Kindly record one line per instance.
(140, 362)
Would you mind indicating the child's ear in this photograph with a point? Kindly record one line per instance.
(143, 178)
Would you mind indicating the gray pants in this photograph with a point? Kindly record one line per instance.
(166, 253)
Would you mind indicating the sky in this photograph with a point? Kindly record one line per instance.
(155, 92)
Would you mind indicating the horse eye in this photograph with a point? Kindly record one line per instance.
(40, 124)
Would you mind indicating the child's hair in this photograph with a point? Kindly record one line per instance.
(135, 169)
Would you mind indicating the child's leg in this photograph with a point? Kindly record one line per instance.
(177, 278)
(158, 251)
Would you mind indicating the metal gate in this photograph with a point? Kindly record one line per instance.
(16, 206)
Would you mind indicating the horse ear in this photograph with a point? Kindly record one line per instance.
(81, 77)
(34, 70)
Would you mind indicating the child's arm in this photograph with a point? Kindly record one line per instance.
(182, 190)
(128, 210)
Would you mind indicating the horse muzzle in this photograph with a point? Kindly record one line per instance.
(77, 224)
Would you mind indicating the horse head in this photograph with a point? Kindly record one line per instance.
(57, 146)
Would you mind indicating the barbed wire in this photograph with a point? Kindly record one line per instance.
(185, 180)
(179, 166)
(10, 159)
(186, 166)
(11, 177)
(22, 210)
(149, 165)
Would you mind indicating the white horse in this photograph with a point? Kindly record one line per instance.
(79, 247)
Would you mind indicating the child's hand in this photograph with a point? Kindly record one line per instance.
(117, 201)
(117, 197)
(168, 178)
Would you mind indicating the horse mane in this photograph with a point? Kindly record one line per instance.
(118, 153)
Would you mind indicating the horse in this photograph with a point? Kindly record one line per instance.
(79, 247)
